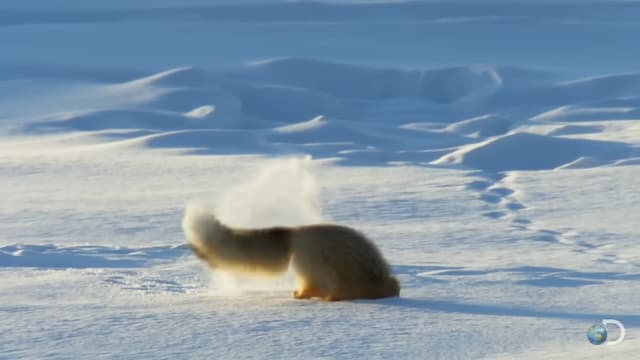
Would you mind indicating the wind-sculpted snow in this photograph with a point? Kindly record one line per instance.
(367, 115)
(358, 82)
(82, 257)
(524, 151)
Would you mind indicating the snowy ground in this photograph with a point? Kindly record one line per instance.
(491, 150)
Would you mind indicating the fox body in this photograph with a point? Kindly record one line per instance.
(331, 262)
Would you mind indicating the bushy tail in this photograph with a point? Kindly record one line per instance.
(200, 227)
(257, 251)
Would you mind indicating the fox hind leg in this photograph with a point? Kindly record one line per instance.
(312, 287)
(306, 289)
(304, 293)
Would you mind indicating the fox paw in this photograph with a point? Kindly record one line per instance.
(297, 294)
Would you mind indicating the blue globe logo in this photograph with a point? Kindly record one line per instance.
(597, 334)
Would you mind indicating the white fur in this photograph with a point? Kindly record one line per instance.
(199, 224)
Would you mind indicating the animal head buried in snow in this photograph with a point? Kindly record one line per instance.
(331, 262)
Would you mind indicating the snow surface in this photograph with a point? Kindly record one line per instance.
(490, 149)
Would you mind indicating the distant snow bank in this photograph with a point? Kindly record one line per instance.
(493, 118)
(524, 151)
(72, 11)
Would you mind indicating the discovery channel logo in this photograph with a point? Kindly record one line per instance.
(597, 333)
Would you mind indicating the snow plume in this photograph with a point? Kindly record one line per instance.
(282, 193)
(228, 283)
